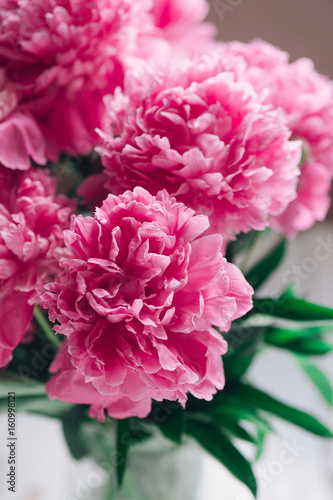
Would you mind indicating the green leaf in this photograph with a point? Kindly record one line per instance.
(260, 442)
(237, 413)
(225, 409)
(123, 442)
(236, 368)
(139, 430)
(225, 413)
(297, 341)
(258, 399)
(318, 377)
(291, 308)
(244, 342)
(285, 335)
(243, 242)
(238, 431)
(173, 426)
(218, 444)
(30, 396)
(12, 382)
(258, 274)
(46, 407)
(100, 441)
(23, 403)
(72, 435)
(311, 347)
(71, 424)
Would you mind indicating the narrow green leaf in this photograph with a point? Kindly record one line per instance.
(243, 242)
(173, 426)
(310, 347)
(258, 399)
(238, 413)
(258, 274)
(244, 341)
(71, 432)
(284, 335)
(12, 382)
(318, 377)
(297, 341)
(218, 445)
(235, 369)
(42, 405)
(139, 430)
(238, 431)
(123, 442)
(30, 396)
(226, 413)
(71, 424)
(23, 403)
(292, 308)
(260, 442)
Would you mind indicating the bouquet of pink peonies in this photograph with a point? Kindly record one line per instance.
(140, 162)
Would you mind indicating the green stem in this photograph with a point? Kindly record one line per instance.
(45, 326)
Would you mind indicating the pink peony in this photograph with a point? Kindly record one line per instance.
(139, 291)
(307, 100)
(207, 139)
(180, 23)
(32, 220)
(175, 17)
(60, 57)
(312, 203)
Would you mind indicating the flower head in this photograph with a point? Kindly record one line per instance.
(32, 219)
(139, 291)
(206, 137)
(306, 98)
(59, 58)
(180, 24)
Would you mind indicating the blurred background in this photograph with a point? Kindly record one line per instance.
(46, 470)
(301, 27)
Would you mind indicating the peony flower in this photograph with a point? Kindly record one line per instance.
(176, 17)
(58, 60)
(307, 101)
(32, 219)
(139, 291)
(206, 138)
(180, 23)
(312, 202)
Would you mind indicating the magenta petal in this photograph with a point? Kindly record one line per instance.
(13, 325)
(21, 130)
